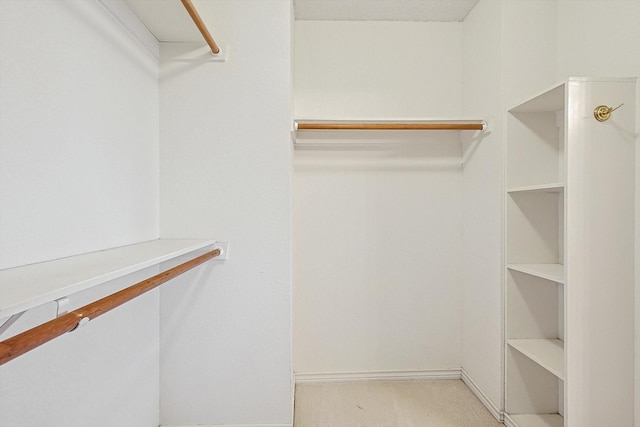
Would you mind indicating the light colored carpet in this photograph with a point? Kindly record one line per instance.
(431, 403)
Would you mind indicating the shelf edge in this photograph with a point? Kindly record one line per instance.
(542, 188)
(12, 308)
(530, 270)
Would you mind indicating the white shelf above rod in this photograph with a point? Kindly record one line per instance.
(30, 339)
(26, 287)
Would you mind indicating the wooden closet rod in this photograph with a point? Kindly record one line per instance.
(32, 338)
(201, 26)
(388, 126)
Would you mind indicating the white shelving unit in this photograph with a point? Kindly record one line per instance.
(26, 287)
(569, 263)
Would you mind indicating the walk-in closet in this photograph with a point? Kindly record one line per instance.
(314, 213)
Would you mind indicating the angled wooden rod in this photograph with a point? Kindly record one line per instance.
(201, 26)
(388, 126)
(35, 337)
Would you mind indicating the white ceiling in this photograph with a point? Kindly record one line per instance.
(168, 20)
(383, 10)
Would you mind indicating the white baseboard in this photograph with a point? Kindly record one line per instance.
(438, 374)
(497, 413)
(508, 421)
(435, 374)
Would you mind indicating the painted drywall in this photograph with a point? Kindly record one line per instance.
(225, 161)
(377, 69)
(581, 48)
(78, 173)
(482, 204)
(529, 39)
(79, 163)
(377, 230)
(510, 54)
(376, 252)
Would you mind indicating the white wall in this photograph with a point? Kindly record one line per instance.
(510, 54)
(79, 133)
(377, 69)
(482, 204)
(377, 231)
(582, 49)
(529, 49)
(78, 173)
(226, 173)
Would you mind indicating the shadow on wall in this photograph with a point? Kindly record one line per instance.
(385, 150)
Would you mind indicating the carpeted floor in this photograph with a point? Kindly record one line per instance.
(430, 403)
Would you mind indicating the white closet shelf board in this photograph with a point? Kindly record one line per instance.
(550, 100)
(553, 272)
(537, 420)
(548, 353)
(26, 287)
(542, 188)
